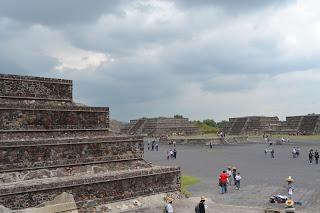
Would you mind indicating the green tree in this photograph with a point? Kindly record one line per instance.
(222, 124)
(210, 122)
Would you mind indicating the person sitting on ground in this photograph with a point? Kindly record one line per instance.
(200, 208)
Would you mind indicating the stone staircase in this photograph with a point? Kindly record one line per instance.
(308, 124)
(237, 127)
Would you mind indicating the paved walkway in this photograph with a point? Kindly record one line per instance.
(262, 177)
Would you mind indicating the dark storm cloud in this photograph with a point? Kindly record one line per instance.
(57, 12)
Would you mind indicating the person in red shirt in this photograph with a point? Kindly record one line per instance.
(223, 180)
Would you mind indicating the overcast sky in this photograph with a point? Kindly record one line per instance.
(200, 58)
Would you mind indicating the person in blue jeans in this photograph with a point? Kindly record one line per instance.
(223, 180)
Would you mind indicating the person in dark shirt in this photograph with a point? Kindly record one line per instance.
(316, 156)
(200, 208)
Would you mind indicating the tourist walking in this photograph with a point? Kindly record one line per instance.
(223, 179)
(174, 153)
(171, 153)
(272, 153)
(238, 178)
(310, 156)
(168, 154)
(152, 145)
(234, 173)
(290, 187)
(210, 144)
(316, 156)
(297, 151)
(200, 207)
(229, 173)
(294, 152)
(168, 208)
(156, 147)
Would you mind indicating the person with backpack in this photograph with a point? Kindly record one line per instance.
(200, 208)
(316, 156)
(168, 208)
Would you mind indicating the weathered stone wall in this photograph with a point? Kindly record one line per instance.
(35, 134)
(54, 172)
(13, 86)
(35, 119)
(99, 189)
(15, 157)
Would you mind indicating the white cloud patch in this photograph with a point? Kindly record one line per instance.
(78, 59)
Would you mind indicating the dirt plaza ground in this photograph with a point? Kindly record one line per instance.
(261, 176)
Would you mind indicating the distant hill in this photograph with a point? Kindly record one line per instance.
(115, 125)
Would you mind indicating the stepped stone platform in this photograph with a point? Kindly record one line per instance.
(250, 125)
(160, 126)
(50, 145)
(303, 125)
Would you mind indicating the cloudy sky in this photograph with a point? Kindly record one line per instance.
(200, 58)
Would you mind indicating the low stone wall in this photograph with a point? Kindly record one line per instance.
(214, 141)
(17, 157)
(97, 189)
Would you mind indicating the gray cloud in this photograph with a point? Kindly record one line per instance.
(148, 58)
(58, 12)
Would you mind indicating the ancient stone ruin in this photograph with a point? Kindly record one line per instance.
(303, 125)
(160, 126)
(250, 125)
(50, 145)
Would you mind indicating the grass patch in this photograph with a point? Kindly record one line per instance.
(205, 128)
(186, 182)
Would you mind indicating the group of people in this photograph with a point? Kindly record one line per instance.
(171, 154)
(314, 155)
(154, 146)
(229, 177)
(199, 208)
(266, 151)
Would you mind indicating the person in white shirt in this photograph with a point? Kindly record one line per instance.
(237, 179)
(229, 173)
(168, 208)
